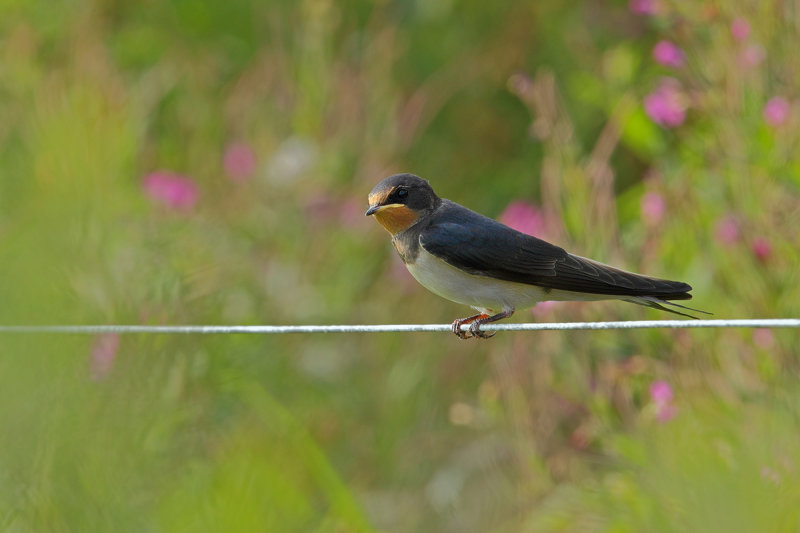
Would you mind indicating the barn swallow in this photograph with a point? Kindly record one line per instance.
(473, 260)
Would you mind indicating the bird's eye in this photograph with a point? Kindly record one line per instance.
(401, 193)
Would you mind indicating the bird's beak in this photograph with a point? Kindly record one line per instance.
(380, 207)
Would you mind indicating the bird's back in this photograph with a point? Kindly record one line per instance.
(483, 246)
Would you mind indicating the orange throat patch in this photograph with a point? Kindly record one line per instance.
(396, 218)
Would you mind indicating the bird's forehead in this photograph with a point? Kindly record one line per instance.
(378, 195)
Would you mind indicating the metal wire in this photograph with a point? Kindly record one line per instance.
(386, 328)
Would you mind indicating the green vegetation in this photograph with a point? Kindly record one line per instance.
(199, 162)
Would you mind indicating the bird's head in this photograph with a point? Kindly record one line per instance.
(399, 201)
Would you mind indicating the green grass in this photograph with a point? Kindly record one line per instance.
(421, 432)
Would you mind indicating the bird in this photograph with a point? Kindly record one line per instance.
(474, 260)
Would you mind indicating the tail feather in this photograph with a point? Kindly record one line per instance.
(674, 296)
(580, 274)
(658, 303)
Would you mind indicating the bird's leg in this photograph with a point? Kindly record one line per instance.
(457, 323)
(474, 327)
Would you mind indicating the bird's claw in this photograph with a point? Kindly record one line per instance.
(475, 330)
(457, 328)
(475, 323)
(472, 331)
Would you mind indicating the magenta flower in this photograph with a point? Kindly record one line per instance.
(653, 208)
(752, 55)
(727, 230)
(668, 54)
(543, 309)
(762, 248)
(776, 111)
(521, 84)
(239, 161)
(104, 351)
(644, 7)
(318, 208)
(740, 29)
(524, 217)
(661, 394)
(351, 213)
(763, 338)
(666, 106)
(171, 190)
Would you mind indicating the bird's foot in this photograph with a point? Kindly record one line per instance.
(476, 322)
(475, 330)
(480, 320)
(457, 323)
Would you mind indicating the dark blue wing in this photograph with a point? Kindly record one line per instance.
(482, 246)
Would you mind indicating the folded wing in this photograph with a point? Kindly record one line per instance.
(482, 246)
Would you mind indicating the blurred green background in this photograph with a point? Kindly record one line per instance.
(200, 162)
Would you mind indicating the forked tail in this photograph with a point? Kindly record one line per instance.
(658, 303)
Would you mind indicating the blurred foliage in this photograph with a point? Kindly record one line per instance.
(493, 102)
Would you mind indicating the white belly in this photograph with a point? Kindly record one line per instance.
(481, 292)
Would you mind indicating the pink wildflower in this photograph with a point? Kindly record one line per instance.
(521, 84)
(762, 248)
(763, 338)
(666, 412)
(666, 106)
(543, 309)
(644, 7)
(776, 111)
(661, 394)
(351, 213)
(104, 351)
(740, 29)
(752, 55)
(172, 190)
(239, 161)
(653, 208)
(668, 54)
(523, 217)
(319, 208)
(727, 230)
